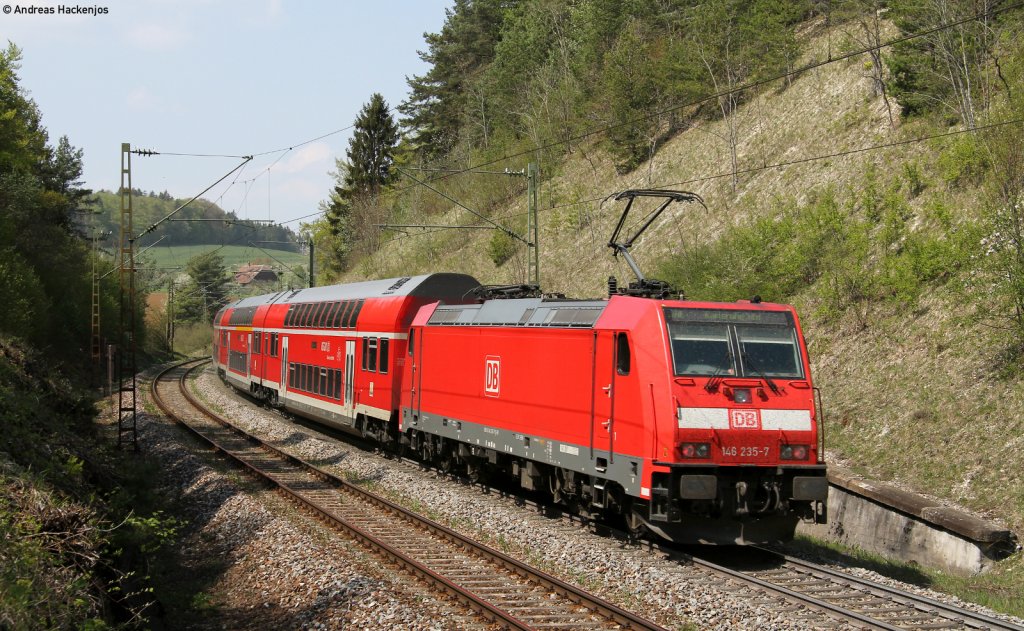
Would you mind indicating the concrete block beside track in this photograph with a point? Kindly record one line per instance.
(885, 520)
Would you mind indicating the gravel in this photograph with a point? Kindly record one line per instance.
(672, 593)
(279, 568)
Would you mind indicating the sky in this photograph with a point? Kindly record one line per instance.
(224, 77)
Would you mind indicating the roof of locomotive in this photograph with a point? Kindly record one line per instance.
(520, 312)
(444, 286)
(540, 312)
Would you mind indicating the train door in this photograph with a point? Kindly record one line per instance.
(284, 364)
(602, 422)
(350, 373)
(248, 355)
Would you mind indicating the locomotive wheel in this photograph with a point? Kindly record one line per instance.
(475, 472)
(634, 523)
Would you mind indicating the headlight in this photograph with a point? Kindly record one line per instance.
(741, 395)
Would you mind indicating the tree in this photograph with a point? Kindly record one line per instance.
(206, 291)
(371, 149)
(737, 42)
(351, 208)
(432, 115)
(45, 261)
(946, 70)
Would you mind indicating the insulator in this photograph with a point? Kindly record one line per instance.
(613, 286)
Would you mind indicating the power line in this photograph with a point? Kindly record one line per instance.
(302, 144)
(747, 86)
(778, 165)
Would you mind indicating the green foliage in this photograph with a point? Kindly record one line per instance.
(508, 75)
(434, 111)
(206, 291)
(913, 178)
(949, 71)
(43, 258)
(964, 162)
(148, 208)
(849, 261)
(352, 208)
(501, 248)
(997, 279)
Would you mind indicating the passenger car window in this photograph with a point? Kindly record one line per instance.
(384, 355)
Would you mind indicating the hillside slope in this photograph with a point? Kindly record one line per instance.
(914, 391)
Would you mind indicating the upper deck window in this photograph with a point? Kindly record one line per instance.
(707, 342)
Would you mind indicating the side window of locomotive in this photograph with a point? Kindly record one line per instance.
(256, 343)
(412, 342)
(384, 355)
(366, 350)
(622, 355)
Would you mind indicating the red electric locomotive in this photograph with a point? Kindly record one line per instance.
(694, 420)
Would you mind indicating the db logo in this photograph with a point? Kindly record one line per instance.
(744, 419)
(492, 375)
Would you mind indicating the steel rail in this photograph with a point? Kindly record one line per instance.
(959, 615)
(570, 592)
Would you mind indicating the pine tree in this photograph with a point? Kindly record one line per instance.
(359, 178)
(371, 149)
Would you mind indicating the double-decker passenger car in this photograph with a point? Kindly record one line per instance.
(334, 354)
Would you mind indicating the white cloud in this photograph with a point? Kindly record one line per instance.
(312, 155)
(157, 37)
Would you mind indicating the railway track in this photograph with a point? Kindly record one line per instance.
(862, 603)
(497, 587)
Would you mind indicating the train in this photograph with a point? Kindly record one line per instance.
(695, 421)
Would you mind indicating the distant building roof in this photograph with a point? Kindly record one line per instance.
(255, 273)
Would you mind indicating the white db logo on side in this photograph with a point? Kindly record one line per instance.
(492, 375)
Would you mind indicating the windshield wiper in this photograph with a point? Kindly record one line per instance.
(760, 373)
(716, 377)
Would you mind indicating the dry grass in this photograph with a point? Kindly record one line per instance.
(915, 398)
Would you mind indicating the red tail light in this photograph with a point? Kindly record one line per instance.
(694, 450)
(794, 452)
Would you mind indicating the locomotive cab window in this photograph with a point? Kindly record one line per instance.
(622, 356)
(412, 342)
(710, 342)
(771, 352)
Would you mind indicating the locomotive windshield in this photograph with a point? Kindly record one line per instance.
(719, 342)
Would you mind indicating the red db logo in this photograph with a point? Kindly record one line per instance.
(492, 375)
(744, 419)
